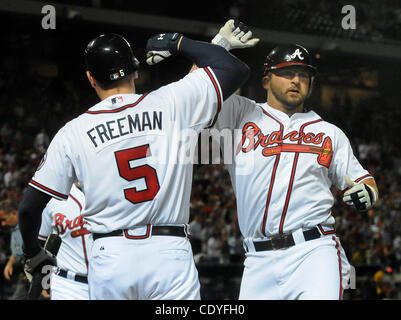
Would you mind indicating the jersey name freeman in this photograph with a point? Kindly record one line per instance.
(129, 124)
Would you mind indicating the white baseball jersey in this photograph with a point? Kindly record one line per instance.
(130, 154)
(64, 218)
(284, 167)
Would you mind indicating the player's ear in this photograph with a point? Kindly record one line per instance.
(266, 81)
(91, 79)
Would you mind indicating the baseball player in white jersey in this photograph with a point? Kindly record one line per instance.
(285, 160)
(69, 279)
(125, 153)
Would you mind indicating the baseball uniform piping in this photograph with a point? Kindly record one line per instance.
(339, 268)
(83, 235)
(273, 176)
(79, 204)
(42, 237)
(48, 190)
(363, 177)
(219, 97)
(294, 168)
(119, 109)
(289, 190)
(366, 176)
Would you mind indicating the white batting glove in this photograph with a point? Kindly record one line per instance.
(235, 35)
(361, 195)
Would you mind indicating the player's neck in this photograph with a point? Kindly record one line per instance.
(104, 94)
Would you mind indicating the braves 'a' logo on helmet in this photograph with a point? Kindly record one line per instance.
(297, 53)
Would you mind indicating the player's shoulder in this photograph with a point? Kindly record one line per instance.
(240, 103)
(180, 86)
(241, 100)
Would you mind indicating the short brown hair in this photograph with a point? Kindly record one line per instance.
(114, 84)
(8, 205)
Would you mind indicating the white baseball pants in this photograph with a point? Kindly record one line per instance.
(312, 270)
(67, 289)
(156, 268)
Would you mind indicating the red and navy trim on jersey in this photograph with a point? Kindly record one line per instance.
(78, 203)
(83, 234)
(219, 95)
(294, 168)
(42, 237)
(119, 109)
(363, 178)
(273, 177)
(47, 190)
(339, 268)
(366, 176)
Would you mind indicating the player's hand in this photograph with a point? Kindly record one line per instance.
(162, 46)
(36, 263)
(45, 294)
(235, 35)
(8, 271)
(361, 195)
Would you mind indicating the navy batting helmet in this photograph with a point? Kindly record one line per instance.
(289, 55)
(109, 57)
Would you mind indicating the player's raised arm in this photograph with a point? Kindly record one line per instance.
(229, 70)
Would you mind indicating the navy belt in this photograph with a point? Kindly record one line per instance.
(177, 231)
(63, 273)
(283, 241)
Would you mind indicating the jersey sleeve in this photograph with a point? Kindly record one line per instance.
(195, 100)
(55, 174)
(232, 112)
(345, 163)
(46, 225)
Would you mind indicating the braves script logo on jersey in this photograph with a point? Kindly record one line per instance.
(273, 143)
(76, 226)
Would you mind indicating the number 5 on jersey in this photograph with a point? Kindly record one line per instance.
(123, 158)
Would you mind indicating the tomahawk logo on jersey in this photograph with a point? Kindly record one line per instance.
(64, 218)
(283, 155)
(274, 143)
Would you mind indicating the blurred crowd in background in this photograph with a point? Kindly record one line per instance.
(34, 107)
(378, 21)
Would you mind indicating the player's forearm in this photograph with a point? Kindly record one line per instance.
(30, 216)
(229, 70)
(12, 260)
